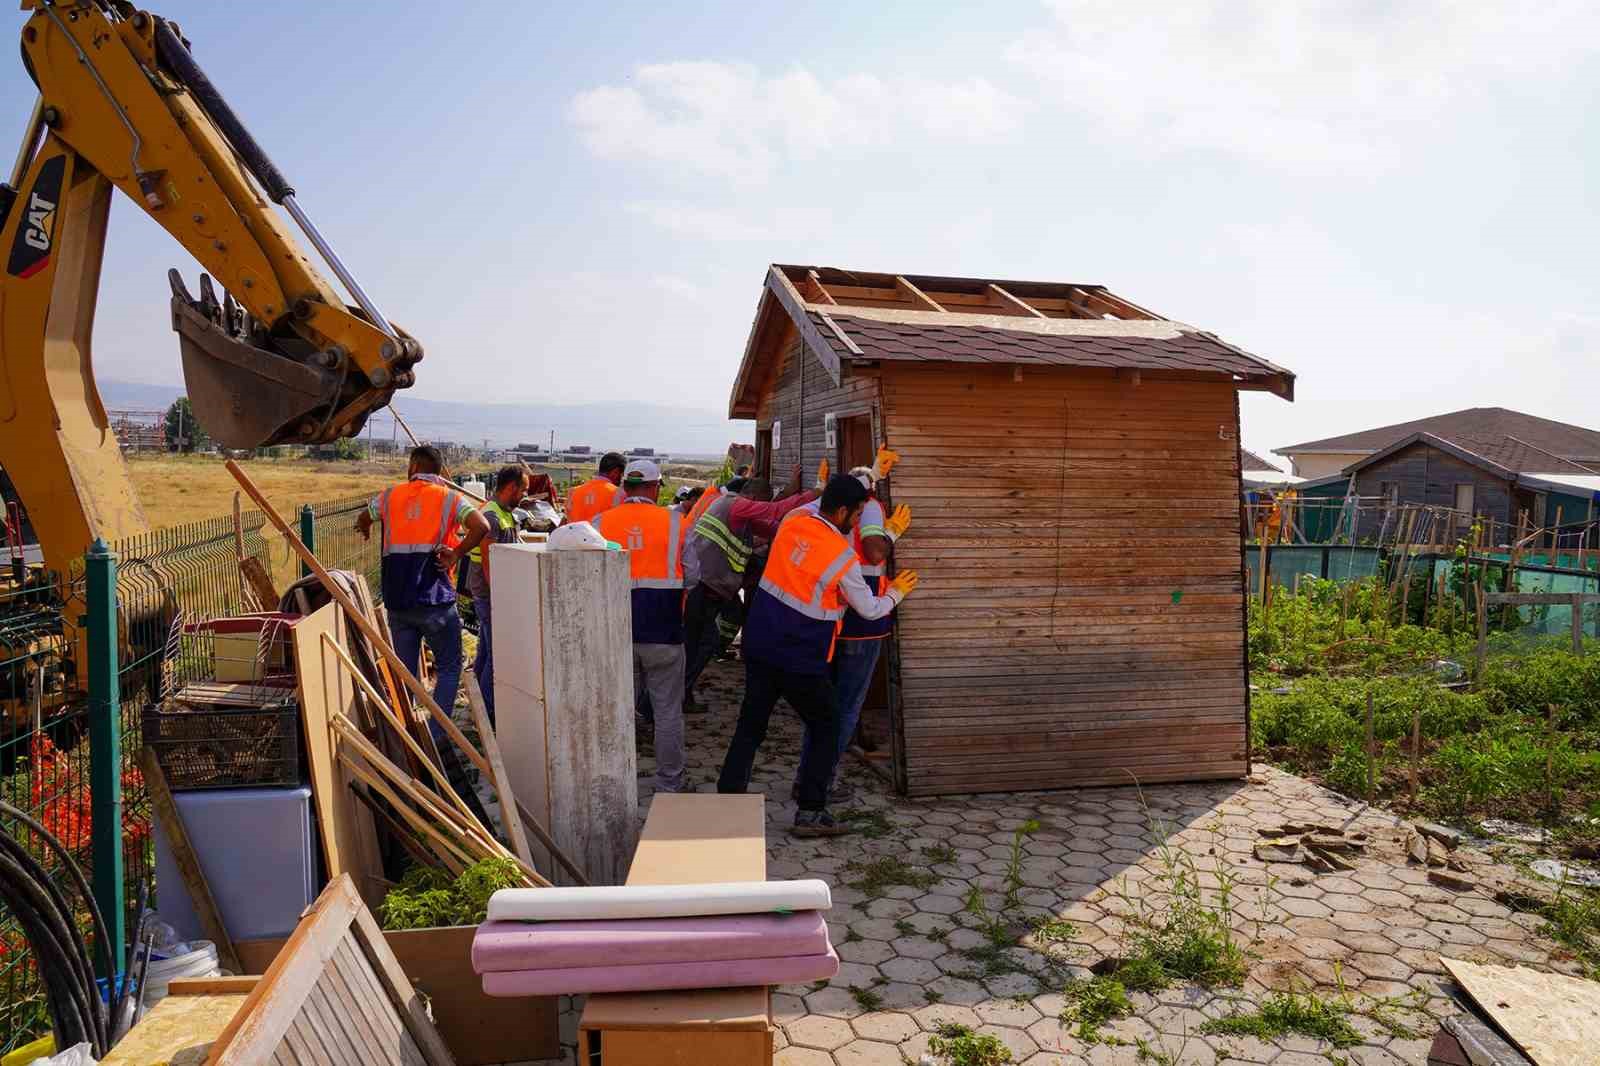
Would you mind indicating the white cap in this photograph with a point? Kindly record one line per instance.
(578, 536)
(642, 470)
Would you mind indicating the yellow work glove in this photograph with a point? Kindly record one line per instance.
(885, 463)
(903, 585)
(822, 475)
(899, 522)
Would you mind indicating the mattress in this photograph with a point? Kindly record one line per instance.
(653, 977)
(509, 946)
(657, 901)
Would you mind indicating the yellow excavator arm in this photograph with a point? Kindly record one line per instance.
(278, 357)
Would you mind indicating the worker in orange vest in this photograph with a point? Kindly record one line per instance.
(812, 575)
(420, 552)
(600, 493)
(652, 536)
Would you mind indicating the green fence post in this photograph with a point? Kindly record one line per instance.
(308, 534)
(105, 746)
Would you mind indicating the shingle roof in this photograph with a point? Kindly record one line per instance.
(847, 317)
(1117, 345)
(1249, 460)
(1485, 431)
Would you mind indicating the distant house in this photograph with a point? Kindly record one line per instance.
(1511, 486)
(1512, 439)
(1072, 461)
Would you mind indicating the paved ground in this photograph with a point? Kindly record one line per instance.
(1375, 931)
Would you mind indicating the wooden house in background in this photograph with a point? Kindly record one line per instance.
(1072, 464)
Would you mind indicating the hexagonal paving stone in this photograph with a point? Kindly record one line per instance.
(817, 1031)
(1387, 967)
(916, 971)
(801, 1056)
(916, 947)
(834, 1001)
(1304, 908)
(1015, 1013)
(870, 952)
(867, 1053)
(937, 1014)
(892, 1026)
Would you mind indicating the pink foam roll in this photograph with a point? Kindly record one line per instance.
(657, 977)
(506, 946)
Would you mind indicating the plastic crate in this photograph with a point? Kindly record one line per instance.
(226, 747)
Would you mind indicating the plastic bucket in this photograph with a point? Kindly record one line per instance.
(200, 962)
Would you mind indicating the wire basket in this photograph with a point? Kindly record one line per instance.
(202, 744)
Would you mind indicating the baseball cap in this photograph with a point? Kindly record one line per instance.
(642, 470)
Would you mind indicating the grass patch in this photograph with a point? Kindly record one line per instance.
(1093, 1003)
(960, 1046)
(932, 996)
(1048, 930)
(1014, 885)
(872, 824)
(875, 875)
(938, 853)
(1572, 919)
(866, 998)
(1286, 1013)
(904, 928)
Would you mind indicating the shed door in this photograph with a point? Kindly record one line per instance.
(855, 443)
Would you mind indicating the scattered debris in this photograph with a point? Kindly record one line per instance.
(1453, 881)
(1450, 838)
(1321, 847)
(1517, 831)
(1566, 872)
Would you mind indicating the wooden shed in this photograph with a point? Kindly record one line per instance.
(1072, 464)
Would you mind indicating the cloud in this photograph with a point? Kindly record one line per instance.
(1298, 84)
(734, 122)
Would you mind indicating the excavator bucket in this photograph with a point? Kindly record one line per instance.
(247, 392)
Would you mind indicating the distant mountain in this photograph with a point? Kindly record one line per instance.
(675, 430)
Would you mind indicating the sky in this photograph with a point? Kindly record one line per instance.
(577, 203)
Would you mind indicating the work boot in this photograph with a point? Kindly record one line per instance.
(817, 824)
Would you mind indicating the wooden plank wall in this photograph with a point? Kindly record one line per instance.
(804, 378)
(1427, 475)
(1079, 617)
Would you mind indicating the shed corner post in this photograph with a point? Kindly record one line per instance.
(105, 748)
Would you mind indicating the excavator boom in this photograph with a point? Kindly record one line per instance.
(271, 352)
(281, 358)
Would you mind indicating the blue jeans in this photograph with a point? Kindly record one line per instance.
(440, 628)
(483, 662)
(853, 664)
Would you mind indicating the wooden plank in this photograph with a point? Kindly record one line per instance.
(336, 965)
(187, 861)
(624, 1048)
(212, 986)
(691, 838)
(510, 816)
(1553, 1018)
(349, 837)
(1530, 599)
(795, 306)
(916, 295)
(1006, 299)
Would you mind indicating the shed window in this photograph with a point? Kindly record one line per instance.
(1464, 498)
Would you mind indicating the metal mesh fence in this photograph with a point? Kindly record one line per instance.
(336, 542)
(165, 578)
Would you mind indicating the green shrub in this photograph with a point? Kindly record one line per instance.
(427, 898)
(1507, 765)
(1528, 685)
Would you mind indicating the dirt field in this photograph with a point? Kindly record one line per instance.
(176, 489)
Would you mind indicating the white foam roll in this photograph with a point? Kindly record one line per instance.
(657, 901)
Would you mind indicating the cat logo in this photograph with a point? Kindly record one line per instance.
(30, 249)
(798, 555)
(636, 538)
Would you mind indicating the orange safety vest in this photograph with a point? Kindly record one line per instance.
(799, 606)
(651, 535)
(418, 517)
(592, 498)
(703, 504)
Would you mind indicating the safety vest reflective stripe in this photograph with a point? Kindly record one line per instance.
(716, 530)
(651, 534)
